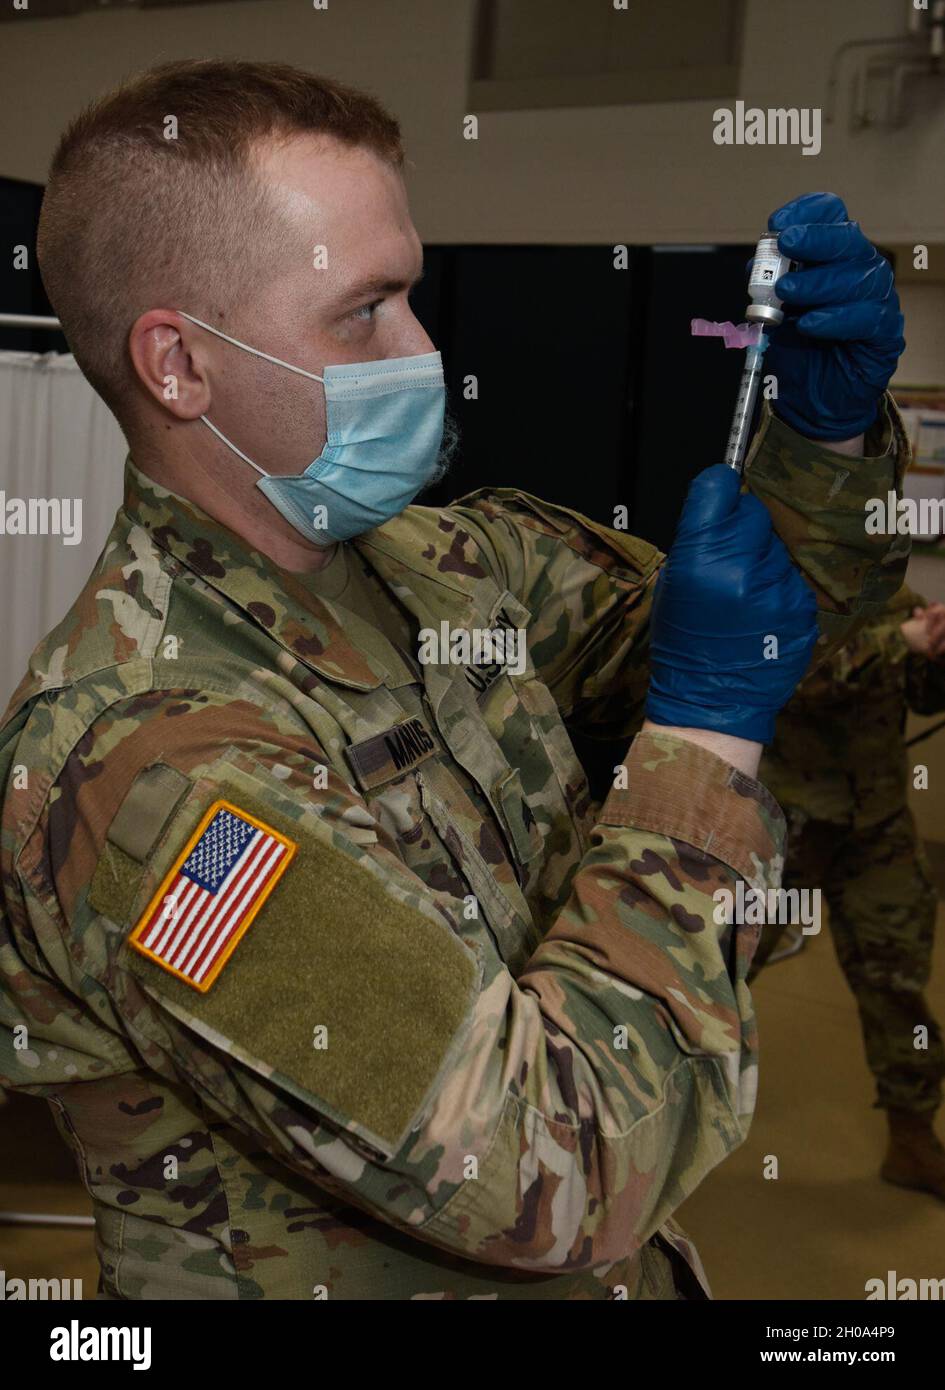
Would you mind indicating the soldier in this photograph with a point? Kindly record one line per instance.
(333, 986)
(839, 769)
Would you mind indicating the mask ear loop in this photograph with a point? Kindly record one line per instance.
(256, 353)
(230, 445)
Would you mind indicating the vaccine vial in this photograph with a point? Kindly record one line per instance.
(767, 268)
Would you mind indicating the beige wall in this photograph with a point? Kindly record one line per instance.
(923, 362)
(647, 173)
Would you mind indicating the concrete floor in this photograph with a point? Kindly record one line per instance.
(827, 1223)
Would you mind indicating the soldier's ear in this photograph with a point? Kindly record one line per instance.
(170, 357)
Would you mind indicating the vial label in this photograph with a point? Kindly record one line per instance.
(767, 267)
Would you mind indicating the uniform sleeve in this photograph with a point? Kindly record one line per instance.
(589, 587)
(553, 1122)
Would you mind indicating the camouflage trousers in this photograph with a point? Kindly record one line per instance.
(882, 905)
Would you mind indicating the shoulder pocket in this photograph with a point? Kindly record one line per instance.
(348, 990)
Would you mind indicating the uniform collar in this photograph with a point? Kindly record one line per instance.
(426, 557)
(310, 628)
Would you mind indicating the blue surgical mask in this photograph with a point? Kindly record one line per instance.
(384, 429)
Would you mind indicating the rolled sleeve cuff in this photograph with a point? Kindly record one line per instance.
(819, 501)
(885, 441)
(681, 790)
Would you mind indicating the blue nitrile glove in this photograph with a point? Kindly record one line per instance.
(728, 586)
(841, 337)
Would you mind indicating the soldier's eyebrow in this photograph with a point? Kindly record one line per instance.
(373, 288)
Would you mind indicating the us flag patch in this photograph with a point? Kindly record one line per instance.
(221, 879)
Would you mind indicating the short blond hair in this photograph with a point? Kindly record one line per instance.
(133, 220)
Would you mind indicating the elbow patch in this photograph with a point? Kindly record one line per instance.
(336, 989)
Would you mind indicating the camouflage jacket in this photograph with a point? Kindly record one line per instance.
(471, 1044)
(838, 753)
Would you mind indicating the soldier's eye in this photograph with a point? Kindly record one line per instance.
(366, 311)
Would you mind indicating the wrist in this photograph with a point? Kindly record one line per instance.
(743, 753)
(703, 710)
(848, 439)
(853, 447)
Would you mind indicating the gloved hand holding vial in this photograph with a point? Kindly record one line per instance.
(833, 326)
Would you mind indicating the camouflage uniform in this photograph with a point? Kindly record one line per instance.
(839, 769)
(539, 1041)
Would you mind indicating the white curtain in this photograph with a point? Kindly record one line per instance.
(58, 440)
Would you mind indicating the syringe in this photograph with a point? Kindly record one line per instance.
(765, 309)
(745, 405)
